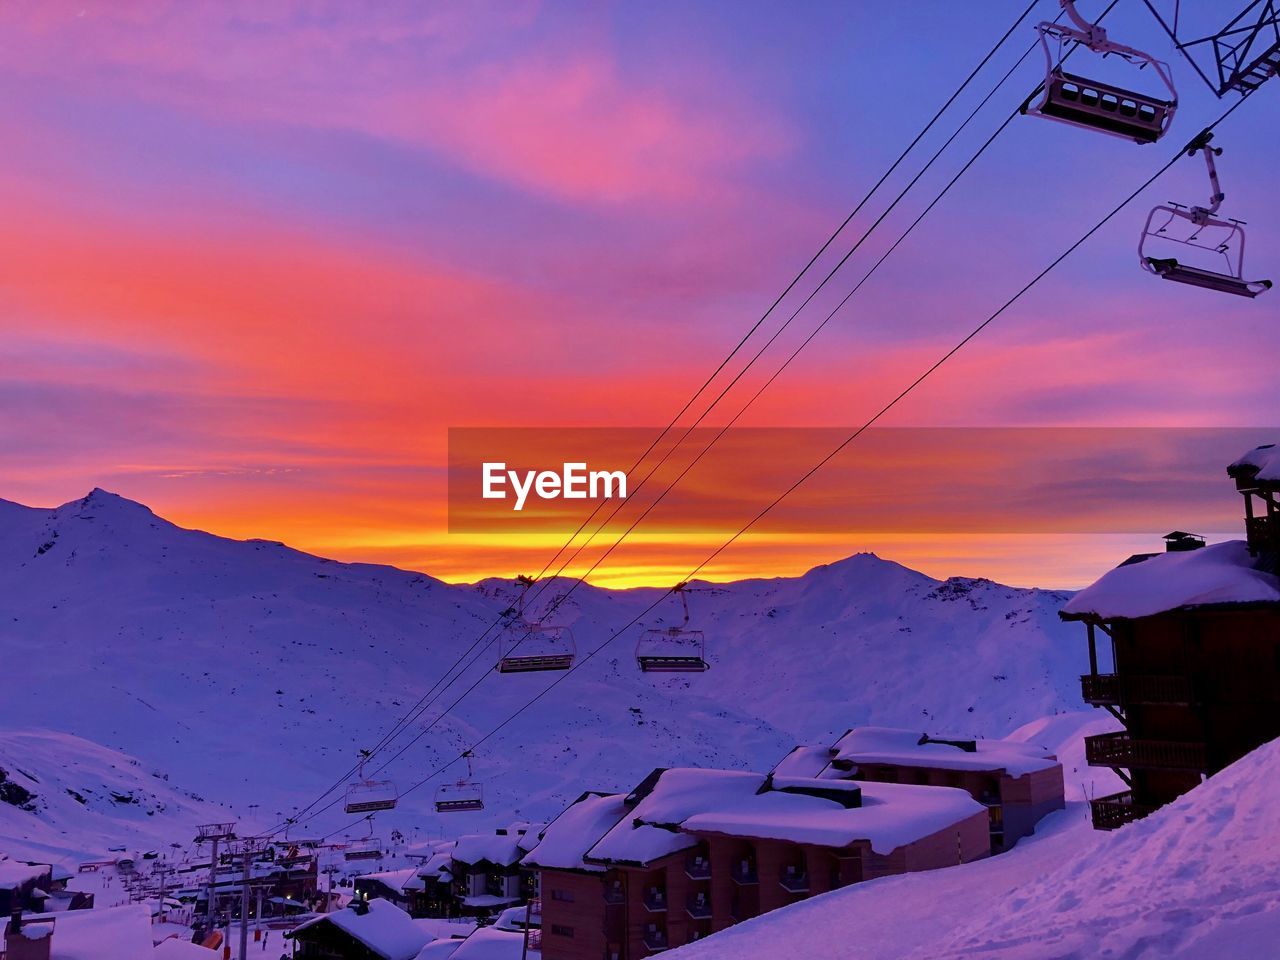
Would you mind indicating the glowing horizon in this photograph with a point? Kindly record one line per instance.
(256, 262)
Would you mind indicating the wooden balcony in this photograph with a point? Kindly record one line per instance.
(655, 901)
(1262, 533)
(697, 867)
(1114, 811)
(1122, 750)
(1109, 689)
(698, 907)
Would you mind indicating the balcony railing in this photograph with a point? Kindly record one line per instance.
(655, 939)
(1117, 810)
(697, 868)
(655, 901)
(1263, 533)
(1109, 689)
(744, 873)
(794, 881)
(1122, 750)
(698, 907)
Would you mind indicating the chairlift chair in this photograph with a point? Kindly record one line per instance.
(463, 795)
(673, 649)
(370, 796)
(367, 849)
(1199, 228)
(1083, 102)
(530, 646)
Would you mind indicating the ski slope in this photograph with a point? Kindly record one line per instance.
(253, 672)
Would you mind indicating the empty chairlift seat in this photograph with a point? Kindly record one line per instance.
(532, 647)
(1098, 106)
(673, 650)
(367, 849)
(1093, 104)
(460, 797)
(370, 796)
(1216, 245)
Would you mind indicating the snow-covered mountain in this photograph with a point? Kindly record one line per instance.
(254, 672)
(64, 799)
(1197, 880)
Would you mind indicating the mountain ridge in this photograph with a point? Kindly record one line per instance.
(255, 671)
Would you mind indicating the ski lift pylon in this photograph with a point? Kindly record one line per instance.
(673, 649)
(370, 796)
(463, 795)
(529, 646)
(1203, 230)
(1082, 102)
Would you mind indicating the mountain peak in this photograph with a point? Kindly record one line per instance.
(99, 501)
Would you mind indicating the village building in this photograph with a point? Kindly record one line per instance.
(1190, 658)
(1018, 783)
(394, 886)
(690, 852)
(111, 933)
(23, 885)
(373, 930)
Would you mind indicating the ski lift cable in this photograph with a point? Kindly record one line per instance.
(621, 504)
(906, 391)
(407, 719)
(773, 377)
(723, 430)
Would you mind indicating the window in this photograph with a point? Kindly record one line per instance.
(560, 930)
(564, 896)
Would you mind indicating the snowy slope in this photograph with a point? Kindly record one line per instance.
(66, 800)
(1198, 880)
(253, 672)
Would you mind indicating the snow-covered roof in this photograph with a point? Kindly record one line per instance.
(684, 802)
(650, 830)
(1223, 573)
(502, 849)
(384, 928)
(892, 745)
(487, 943)
(439, 950)
(110, 933)
(14, 873)
(1261, 464)
(485, 900)
(569, 836)
(803, 762)
(397, 880)
(890, 816)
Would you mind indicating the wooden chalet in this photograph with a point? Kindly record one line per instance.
(1190, 653)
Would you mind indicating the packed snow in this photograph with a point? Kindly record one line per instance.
(1223, 573)
(891, 815)
(892, 745)
(1262, 462)
(383, 928)
(567, 839)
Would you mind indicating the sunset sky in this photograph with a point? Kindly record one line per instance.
(257, 258)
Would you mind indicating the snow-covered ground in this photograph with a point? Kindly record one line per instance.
(1198, 880)
(251, 672)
